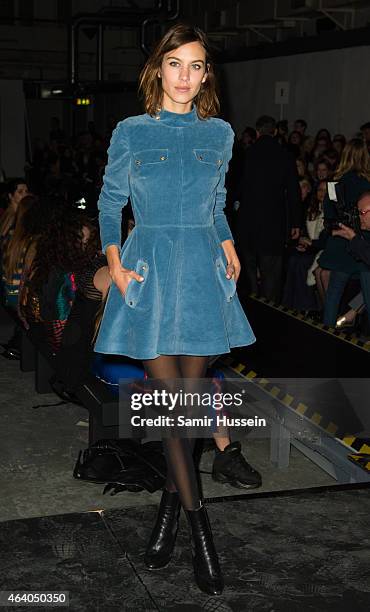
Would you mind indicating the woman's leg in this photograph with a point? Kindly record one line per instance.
(180, 464)
(179, 451)
(337, 283)
(322, 281)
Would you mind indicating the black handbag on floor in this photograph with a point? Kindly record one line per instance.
(124, 465)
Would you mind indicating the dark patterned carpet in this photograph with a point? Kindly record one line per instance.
(296, 553)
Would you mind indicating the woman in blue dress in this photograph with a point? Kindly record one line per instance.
(173, 300)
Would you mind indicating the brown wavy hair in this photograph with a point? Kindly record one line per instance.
(61, 244)
(355, 157)
(8, 217)
(24, 233)
(150, 85)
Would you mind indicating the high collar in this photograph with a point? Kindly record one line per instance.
(166, 117)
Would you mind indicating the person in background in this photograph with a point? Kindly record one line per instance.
(306, 190)
(68, 241)
(282, 132)
(300, 125)
(298, 294)
(324, 134)
(301, 167)
(365, 131)
(339, 142)
(322, 170)
(248, 137)
(270, 210)
(353, 176)
(15, 248)
(16, 190)
(359, 247)
(295, 143)
(332, 158)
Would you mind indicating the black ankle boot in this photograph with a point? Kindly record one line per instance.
(162, 540)
(207, 570)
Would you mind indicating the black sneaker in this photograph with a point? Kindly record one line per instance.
(230, 467)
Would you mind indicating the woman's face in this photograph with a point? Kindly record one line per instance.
(338, 146)
(183, 71)
(19, 194)
(305, 190)
(295, 138)
(300, 167)
(321, 192)
(322, 172)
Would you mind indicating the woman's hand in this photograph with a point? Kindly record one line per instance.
(344, 232)
(303, 244)
(233, 263)
(122, 277)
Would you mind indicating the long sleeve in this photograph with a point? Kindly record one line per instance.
(115, 191)
(221, 224)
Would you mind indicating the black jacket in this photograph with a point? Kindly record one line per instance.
(359, 247)
(270, 197)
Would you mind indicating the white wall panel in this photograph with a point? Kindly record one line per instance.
(329, 88)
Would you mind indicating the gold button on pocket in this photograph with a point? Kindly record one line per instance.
(209, 157)
(149, 157)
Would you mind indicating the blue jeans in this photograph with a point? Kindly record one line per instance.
(337, 284)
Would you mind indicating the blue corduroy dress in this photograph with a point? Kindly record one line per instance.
(172, 167)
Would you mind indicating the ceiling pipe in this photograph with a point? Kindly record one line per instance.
(152, 20)
(106, 16)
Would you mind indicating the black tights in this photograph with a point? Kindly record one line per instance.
(181, 474)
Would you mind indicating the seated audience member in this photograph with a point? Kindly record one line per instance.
(365, 131)
(324, 134)
(67, 243)
(300, 126)
(307, 149)
(306, 190)
(16, 247)
(301, 167)
(15, 191)
(295, 143)
(299, 292)
(75, 356)
(339, 142)
(359, 247)
(322, 170)
(248, 137)
(353, 179)
(282, 132)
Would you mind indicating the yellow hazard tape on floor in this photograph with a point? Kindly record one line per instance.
(362, 460)
(349, 338)
(358, 444)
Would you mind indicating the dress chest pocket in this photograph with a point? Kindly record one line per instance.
(209, 157)
(228, 284)
(135, 288)
(147, 161)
